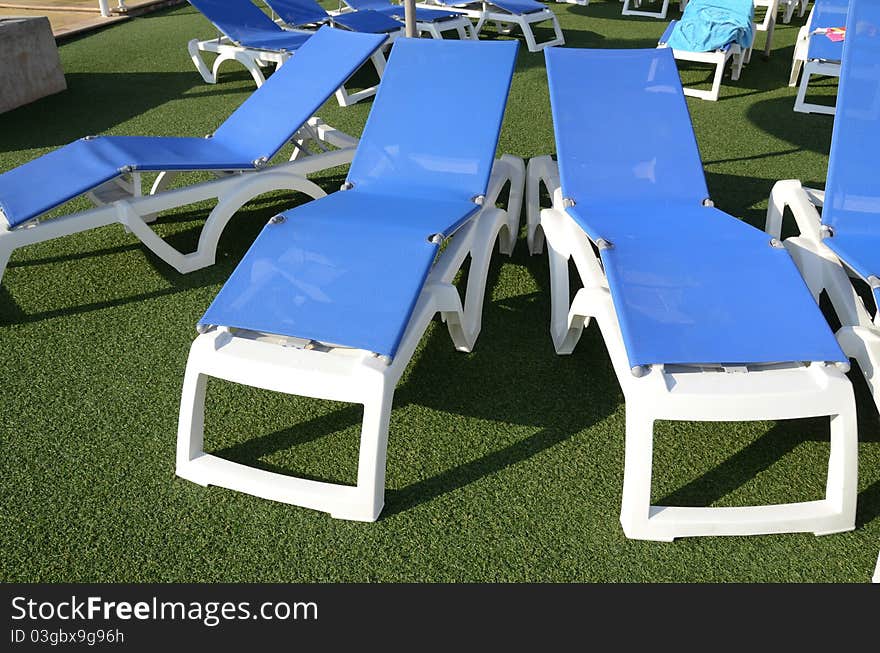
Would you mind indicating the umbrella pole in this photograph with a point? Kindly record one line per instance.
(410, 15)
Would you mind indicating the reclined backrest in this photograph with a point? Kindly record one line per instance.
(434, 125)
(298, 12)
(852, 191)
(690, 284)
(270, 116)
(605, 159)
(237, 19)
(827, 13)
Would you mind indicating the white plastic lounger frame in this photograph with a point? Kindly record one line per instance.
(484, 13)
(719, 59)
(764, 392)
(790, 7)
(350, 375)
(120, 200)
(254, 60)
(660, 13)
(805, 68)
(461, 25)
(876, 578)
(859, 334)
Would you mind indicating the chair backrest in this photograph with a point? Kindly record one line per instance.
(434, 125)
(240, 20)
(642, 148)
(269, 117)
(826, 13)
(376, 5)
(298, 12)
(852, 192)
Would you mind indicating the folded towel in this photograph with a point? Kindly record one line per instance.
(708, 25)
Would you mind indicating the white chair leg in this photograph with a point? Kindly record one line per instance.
(876, 578)
(372, 458)
(635, 509)
(196, 56)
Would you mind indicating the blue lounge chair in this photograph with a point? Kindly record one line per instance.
(305, 13)
(815, 53)
(507, 14)
(837, 247)
(249, 36)
(428, 21)
(108, 168)
(717, 31)
(704, 317)
(333, 296)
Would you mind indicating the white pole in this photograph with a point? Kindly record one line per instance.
(409, 7)
(105, 8)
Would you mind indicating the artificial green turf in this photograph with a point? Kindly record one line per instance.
(504, 464)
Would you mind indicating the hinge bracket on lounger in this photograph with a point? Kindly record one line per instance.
(873, 281)
(126, 169)
(568, 202)
(204, 328)
(277, 219)
(347, 185)
(209, 135)
(478, 199)
(825, 231)
(601, 243)
(640, 370)
(89, 138)
(775, 242)
(708, 202)
(261, 162)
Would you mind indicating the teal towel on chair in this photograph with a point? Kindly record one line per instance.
(708, 25)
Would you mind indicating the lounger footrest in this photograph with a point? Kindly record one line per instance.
(339, 500)
(820, 517)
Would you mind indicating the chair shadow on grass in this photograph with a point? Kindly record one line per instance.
(804, 130)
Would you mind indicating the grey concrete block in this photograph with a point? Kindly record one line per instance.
(29, 64)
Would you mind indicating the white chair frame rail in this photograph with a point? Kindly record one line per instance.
(660, 13)
(291, 366)
(255, 60)
(805, 68)
(121, 201)
(506, 22)
(764, 392)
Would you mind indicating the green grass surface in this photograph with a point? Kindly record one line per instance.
(503, 465)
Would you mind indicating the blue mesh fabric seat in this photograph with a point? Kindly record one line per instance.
(246, 141)
(297, 13)
(334, 296)
(705, 318)
(839, 246)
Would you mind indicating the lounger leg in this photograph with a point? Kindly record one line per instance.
(191, 423)
(802, 90)
(876, 578)
(196, 56)
(540, 170)
(371, 460)
(227, 205)
(716, 81)
(635, 509)
(5, 253)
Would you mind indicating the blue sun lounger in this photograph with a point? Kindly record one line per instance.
(512, 13)
(108, 168)
(249, 36)
(838, 245)
(815, 53)
(428, 21)
(333, 296)
(704, 317)
(302, 13)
